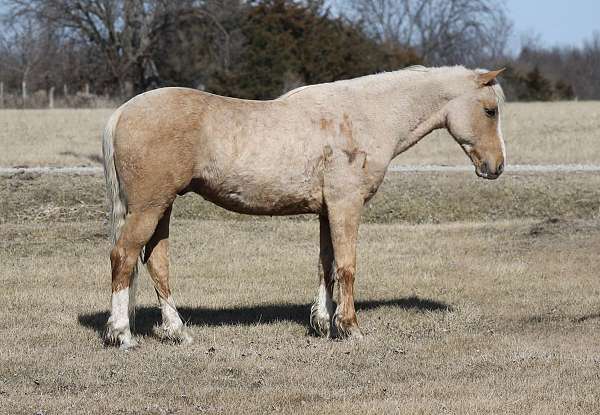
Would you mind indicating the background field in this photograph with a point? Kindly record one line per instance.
(535, 133)
(475, 296)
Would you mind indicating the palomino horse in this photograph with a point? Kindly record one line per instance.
(321, 149)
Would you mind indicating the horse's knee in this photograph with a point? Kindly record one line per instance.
(117, 261)
(121, 258)
(345, 275)
(122, 263)
(117, 255)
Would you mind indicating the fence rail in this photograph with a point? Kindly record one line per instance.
(19, 98)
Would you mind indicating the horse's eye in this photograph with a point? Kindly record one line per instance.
(490, 112)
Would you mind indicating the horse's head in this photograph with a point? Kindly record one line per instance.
(473, 119)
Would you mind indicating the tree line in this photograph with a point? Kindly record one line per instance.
(80, 50)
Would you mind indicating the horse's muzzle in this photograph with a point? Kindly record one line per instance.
(484, 171)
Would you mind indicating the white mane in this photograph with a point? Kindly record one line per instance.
(383, 80)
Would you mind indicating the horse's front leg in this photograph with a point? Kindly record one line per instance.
(343, 220)
(321, 311)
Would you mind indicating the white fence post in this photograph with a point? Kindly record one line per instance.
(24, 91)
(51, 97)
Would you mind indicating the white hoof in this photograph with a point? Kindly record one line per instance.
(320, 322)
(128, 344)
(179, 335)
(119, 336)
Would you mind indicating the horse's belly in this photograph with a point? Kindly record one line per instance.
(264, 198)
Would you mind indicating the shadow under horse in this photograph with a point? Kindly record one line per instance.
(148, 317)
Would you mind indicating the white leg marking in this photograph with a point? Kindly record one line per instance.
(322, 311)
(169, 313)
(118, 331)
(172, 327)
(325, 301)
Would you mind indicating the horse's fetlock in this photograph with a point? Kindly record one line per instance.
(346, 326)
(178, 334)
(320, 319)
(118, 334)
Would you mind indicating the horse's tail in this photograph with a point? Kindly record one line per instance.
(117, 198)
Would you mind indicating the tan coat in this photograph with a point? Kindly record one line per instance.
(320, 149)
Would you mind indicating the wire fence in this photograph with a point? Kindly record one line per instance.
(23, 98)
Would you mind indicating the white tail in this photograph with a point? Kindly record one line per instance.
(117, 199)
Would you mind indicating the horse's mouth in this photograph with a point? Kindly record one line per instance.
(481, 169)
(486, 175)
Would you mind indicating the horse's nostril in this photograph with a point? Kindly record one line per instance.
(484, 168)
(501, 168)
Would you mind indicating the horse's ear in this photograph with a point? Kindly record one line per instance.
(489, 78)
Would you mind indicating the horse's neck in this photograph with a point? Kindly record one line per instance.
(409, 109)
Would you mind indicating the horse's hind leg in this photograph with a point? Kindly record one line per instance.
(322, 310)
(136, 232)
(157, 256)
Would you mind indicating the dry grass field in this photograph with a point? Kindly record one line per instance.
(536, 133)
(61, 137)
(499, 317)
(475, 296)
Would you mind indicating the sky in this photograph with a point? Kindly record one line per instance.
(557, 22)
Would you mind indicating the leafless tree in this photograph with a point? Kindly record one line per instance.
(23, 45)
(124, 31)
(577, 66)
(442, 31)
(591, 56)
